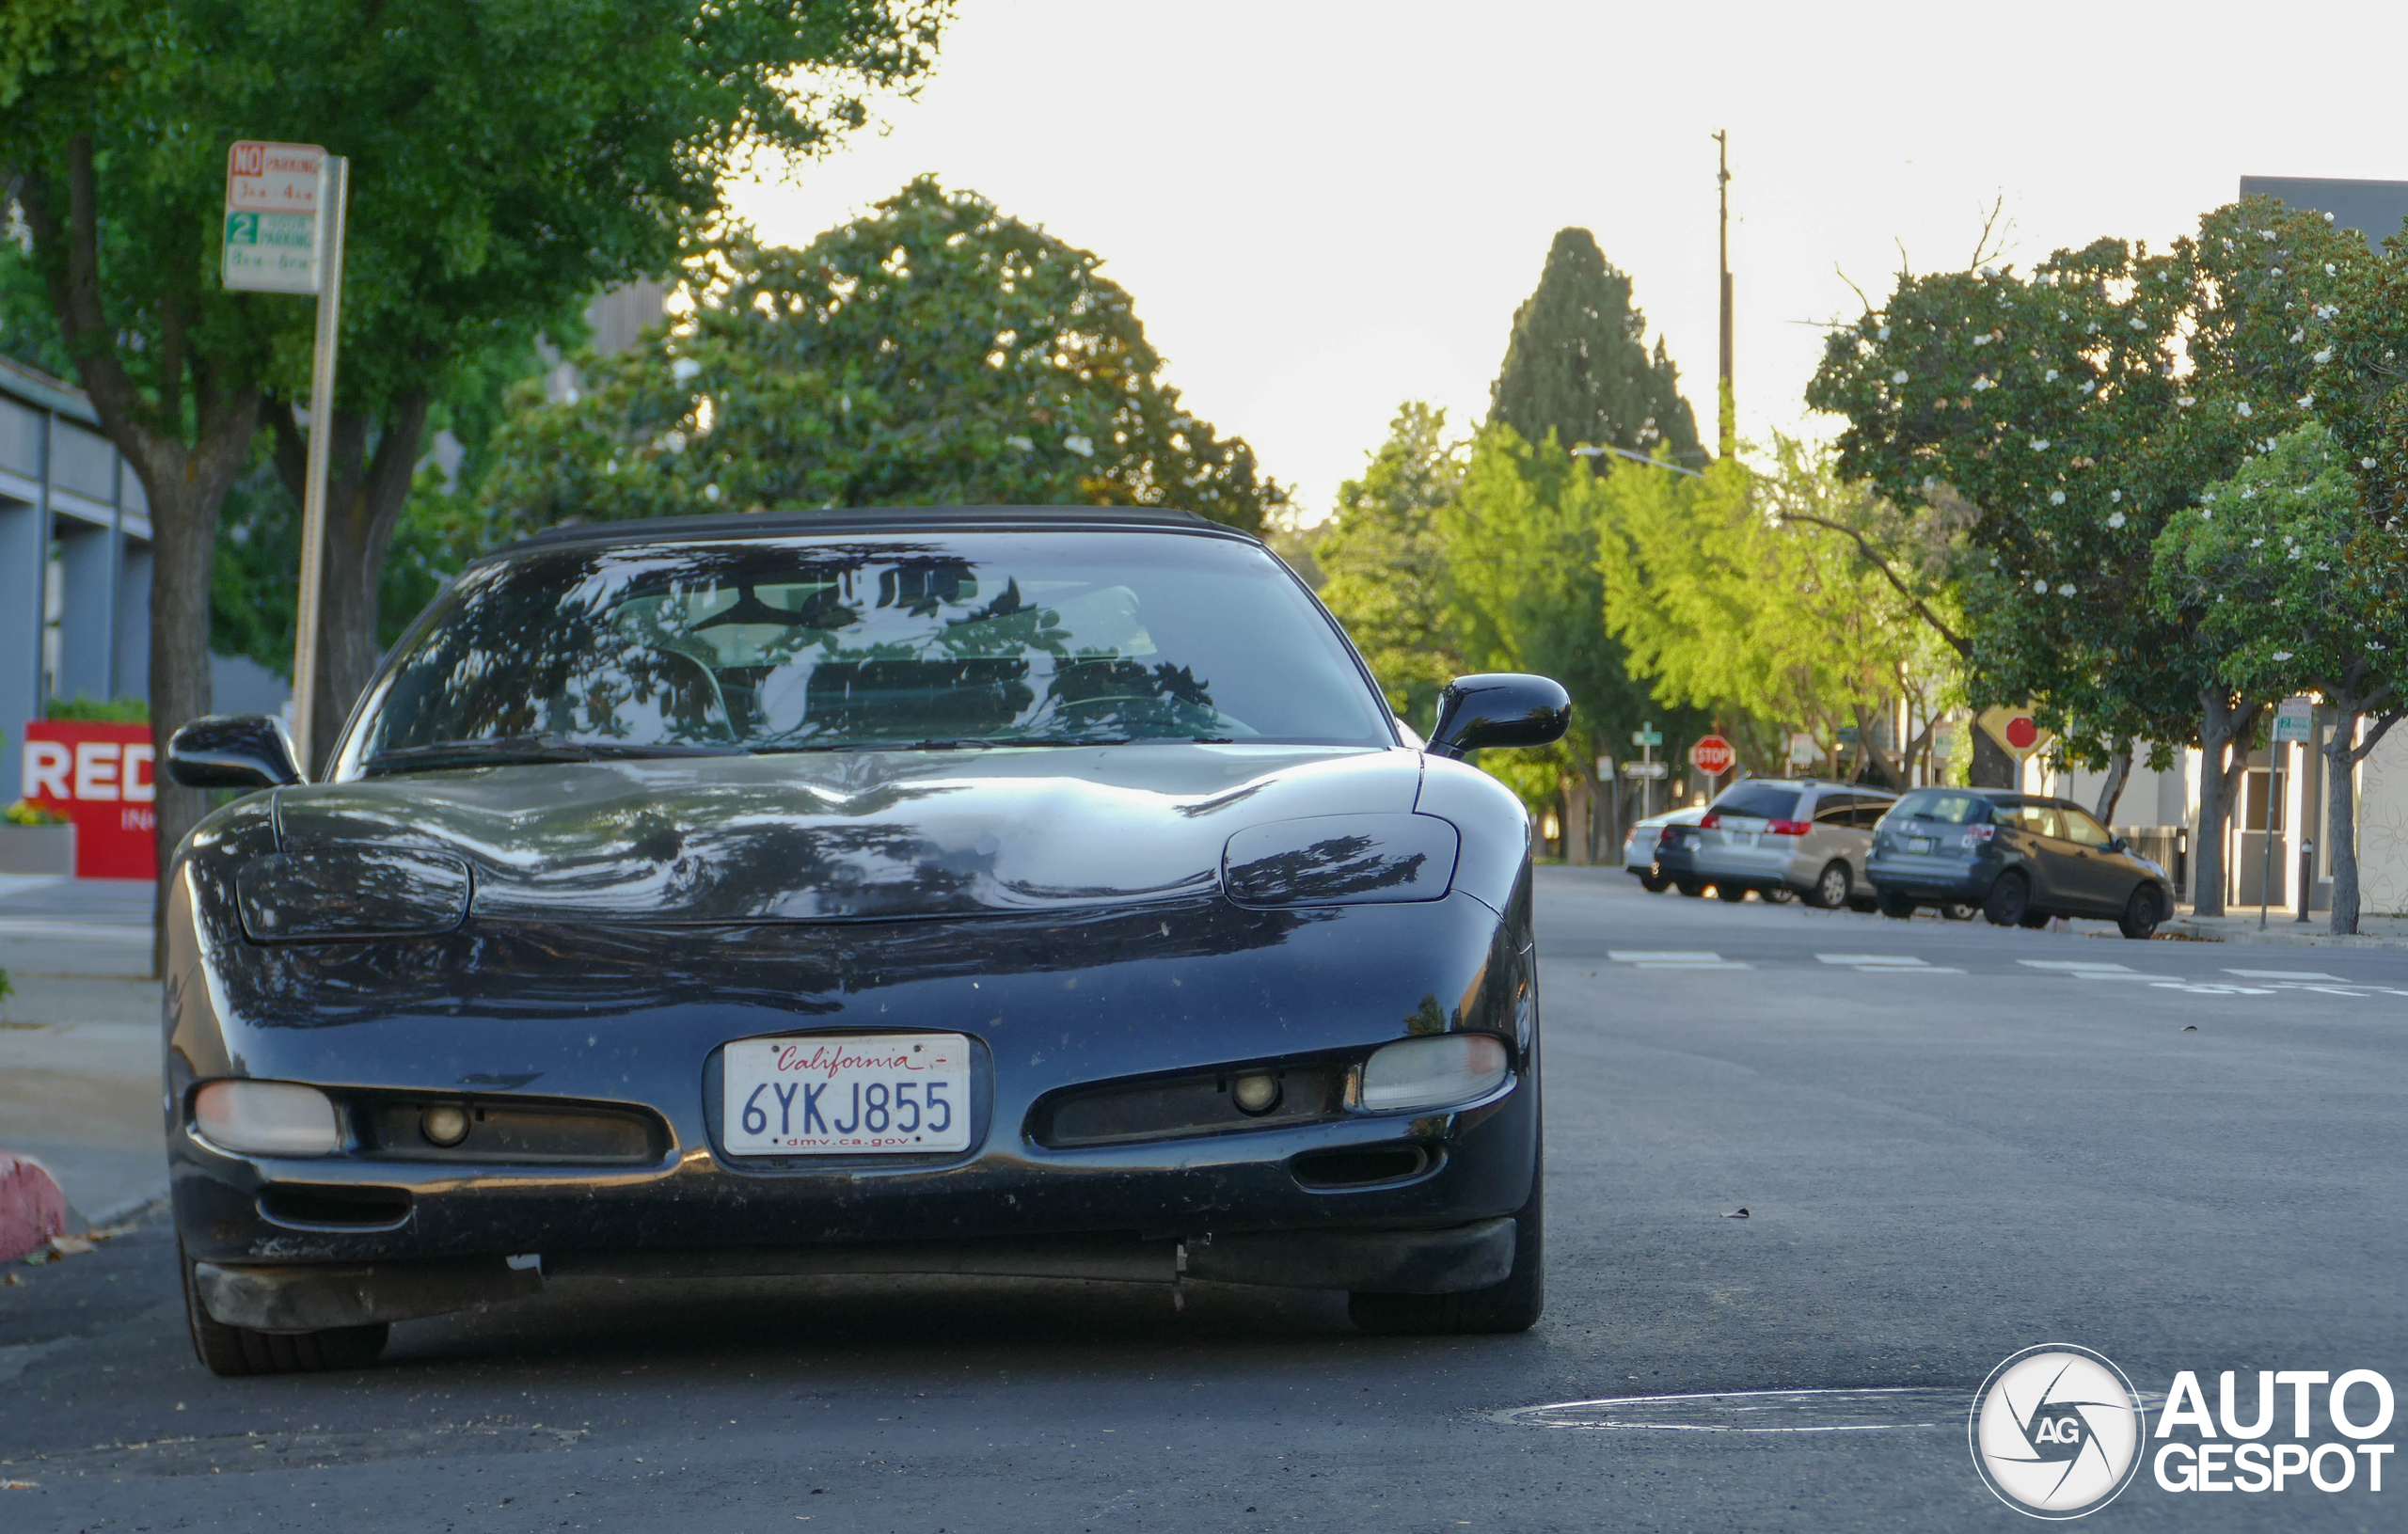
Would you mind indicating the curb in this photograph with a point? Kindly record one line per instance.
(32, 1207)
(2276, 936)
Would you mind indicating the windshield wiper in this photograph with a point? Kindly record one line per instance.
(500, 751)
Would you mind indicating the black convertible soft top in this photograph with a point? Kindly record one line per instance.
(780, 524)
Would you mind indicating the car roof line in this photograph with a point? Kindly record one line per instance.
(805, 522)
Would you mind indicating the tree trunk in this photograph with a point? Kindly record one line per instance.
(2119, 772)
(2225, 727)
(365, 496)
(2340, 819)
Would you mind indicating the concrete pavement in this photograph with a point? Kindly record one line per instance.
(1952, 1141)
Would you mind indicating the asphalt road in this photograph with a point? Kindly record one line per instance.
(1954, 1142)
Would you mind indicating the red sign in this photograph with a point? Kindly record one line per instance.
(2022, 732)
(100, 777)
(1712, 755)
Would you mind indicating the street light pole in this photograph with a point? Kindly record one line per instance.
(1726, 410)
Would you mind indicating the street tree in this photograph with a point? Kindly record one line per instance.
(934, 350)
(2073, 413)
(2295, 586)
(508, 158)
(1384, 560)
(1578, 363)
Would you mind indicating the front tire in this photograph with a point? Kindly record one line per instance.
(1694, 889)
(2009, 900)
(1512, 1306)
(2141, 914)
(231, 1352)
(1830, 890)
(1733, 893)
(1654, 883)
(1958, 911)
(1894, 904)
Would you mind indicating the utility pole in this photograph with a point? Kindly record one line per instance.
(1725, 410)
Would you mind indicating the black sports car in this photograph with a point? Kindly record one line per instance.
(1004, 891)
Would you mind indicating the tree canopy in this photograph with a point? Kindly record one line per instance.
(1385, 563)
(935, 351)
(1577, 364)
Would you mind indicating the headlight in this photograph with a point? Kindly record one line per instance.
(1341, 859)
(319, 895)
(1434, 1073)
(266, 1118)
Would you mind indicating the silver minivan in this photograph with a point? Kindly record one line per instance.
(1767, 834)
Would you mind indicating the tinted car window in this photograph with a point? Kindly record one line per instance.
(2081, 827)
(1868, 812)
(1949, 809)
(1836, 809)
(1766, 800)
(2040, 819)
(814, 644)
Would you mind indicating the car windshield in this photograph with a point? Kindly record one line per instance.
(1950, 809)
(1765, 801)
(810, 645)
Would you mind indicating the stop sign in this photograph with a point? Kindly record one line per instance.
(2022, 732)
(1712, 756)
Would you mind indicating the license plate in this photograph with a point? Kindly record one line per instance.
(855, 1095)
(1918, 843)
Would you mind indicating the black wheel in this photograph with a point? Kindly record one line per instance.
(232, 1350)
(1731, 893)
(1777, 895)
(1654, 883)
(1514, 1305)
(1958, 911)
(1893, 904)
(2141, 914)
(1831, 888)
(1692, 888)
(2010, 898)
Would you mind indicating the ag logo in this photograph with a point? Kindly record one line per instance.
(2056, 1432)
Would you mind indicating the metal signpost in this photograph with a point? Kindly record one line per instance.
(284, 218)
(2294, 722)
(1646, 738)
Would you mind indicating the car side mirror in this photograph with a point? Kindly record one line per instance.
(1499, 709)
(2117, 844)
(232, 751)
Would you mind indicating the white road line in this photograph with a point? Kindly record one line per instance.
(2075, 964)
(1886, 964)
(1671, 959)
(2284, 975)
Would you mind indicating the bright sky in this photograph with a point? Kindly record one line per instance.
(1326, 207)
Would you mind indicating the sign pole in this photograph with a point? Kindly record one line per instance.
(335, 188)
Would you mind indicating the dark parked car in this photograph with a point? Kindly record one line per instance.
(1639, 848)
(2024, 858)
(1779, 836)
(1013, 891)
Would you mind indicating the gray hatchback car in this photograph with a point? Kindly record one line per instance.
(1771, 834)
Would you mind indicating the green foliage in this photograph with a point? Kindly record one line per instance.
(1387, 562)
(26, 813)
(1577, 362)
(1522, 550)
(1738, 592)
(2272, 562)
(100, 710)
(2055, 413)
(934, 352)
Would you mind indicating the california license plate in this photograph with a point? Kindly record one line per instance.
(1918, 843)
(853, 1095)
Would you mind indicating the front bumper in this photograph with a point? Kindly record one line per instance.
(631, 1019)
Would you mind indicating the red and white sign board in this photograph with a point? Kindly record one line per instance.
(100, 777)
(1712, 755)
(273, 177)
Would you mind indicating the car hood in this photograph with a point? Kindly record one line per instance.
(847, 835)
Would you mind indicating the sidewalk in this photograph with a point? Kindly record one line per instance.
(79, 1037)
(2285, 929)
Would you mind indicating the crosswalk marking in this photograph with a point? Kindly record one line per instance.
(1645, 958)
(2283, 975)
(1886, 964)
(2073, 964)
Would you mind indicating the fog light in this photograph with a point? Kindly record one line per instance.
(1434, 1073)
(444, 1124)
(1256, 1094)
(266, 1118)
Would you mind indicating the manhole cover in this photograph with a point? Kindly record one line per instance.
(1757, 1410)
